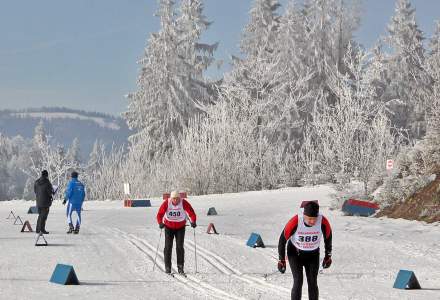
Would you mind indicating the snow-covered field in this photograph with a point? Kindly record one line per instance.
(113, 254)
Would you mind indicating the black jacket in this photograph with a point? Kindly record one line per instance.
(44, 191)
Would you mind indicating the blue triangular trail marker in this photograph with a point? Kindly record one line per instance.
(65, 275)
(212, 211)
(255, 240)
(33, 210)
(406, 280)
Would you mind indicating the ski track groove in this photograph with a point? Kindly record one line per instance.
(151, 256)
(219, 263)
(190, 281)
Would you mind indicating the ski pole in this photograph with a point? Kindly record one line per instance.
(195, 248)
(157, 249)
(321, 268)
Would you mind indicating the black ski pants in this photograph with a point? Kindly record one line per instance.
(309, 260)
(43, 212)
(170, 234)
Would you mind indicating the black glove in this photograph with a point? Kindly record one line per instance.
(161, 225)
(282, 266)
(193, 224)
(327, 262)
(64, 202)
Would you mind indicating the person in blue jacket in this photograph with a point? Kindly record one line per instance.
(74, 195)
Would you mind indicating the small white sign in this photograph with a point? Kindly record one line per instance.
(390, 164)
(126, 188)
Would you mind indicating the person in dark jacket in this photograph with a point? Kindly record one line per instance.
(44, 191)
(302, 234)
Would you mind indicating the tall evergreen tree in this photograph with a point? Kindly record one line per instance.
(406, 79)
(170, 85)
(73, 153)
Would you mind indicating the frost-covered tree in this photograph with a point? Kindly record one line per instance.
(47, 156)
(330, 25)
(171, 88)
(260, 34)
(13, 158)
(4, 158)
(431, 141)
(40, 134)
(196, 56)
(406, 79)
(221, 153)
(73, 153)
(353, 136)
(103, 175)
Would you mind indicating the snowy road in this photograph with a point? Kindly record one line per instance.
(113, 254)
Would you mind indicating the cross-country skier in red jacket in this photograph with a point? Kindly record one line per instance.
(172, 215)
(303, 236)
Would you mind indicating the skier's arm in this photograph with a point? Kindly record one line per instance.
(69, 190)
(190, 211)
(327, 232)
(288, 231)
(50, 189)
(161, 213)
(282, 246)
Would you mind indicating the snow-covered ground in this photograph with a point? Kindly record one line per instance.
(114, 252)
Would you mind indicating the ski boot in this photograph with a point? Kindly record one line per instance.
(70, 229)
(76, 231)
(180, 270)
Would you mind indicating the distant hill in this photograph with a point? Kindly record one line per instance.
(64, 124)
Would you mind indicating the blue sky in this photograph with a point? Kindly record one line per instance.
(82, 54)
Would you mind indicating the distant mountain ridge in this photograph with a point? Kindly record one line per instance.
(64, 124)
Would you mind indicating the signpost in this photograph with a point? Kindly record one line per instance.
(390, 164)
(127, 189)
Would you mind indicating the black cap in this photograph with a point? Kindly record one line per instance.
(74, 174)
(44, 173)
(311, 209)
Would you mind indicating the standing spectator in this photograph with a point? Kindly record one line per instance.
(44, 191)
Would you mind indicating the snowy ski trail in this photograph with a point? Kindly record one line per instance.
(190, 281)
(222, 265)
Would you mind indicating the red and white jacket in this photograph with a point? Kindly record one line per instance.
(291, 228)
(163, 210)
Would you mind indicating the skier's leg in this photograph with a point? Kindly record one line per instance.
(169, 235)
(40, 212)
(69, 213)
(312, 267)
(297, 271)
(78, 220)
(44, 214)
(180, 250)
